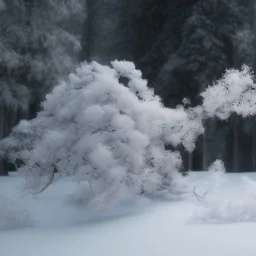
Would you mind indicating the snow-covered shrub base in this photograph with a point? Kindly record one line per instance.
(233, 208)
(191, 186)
(13, 215)
(227, 211)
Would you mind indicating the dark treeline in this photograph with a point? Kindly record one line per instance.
(181, 46)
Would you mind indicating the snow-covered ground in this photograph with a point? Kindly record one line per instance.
(160, 227)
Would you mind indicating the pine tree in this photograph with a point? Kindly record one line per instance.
(148, 27)
(36, 50)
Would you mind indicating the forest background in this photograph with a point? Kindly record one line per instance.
(181, 46)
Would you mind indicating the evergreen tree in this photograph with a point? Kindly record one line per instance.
(36, 50)
(148, 26)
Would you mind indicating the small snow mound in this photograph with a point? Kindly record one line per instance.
(231, 209)
(12, 215)
(227, 211)
(217, 166)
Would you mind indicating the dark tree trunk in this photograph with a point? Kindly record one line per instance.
(3, 170)
(87, 31)
(235, 147)
(253, 153)
(190, 161)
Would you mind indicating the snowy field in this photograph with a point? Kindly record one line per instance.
(158, 227)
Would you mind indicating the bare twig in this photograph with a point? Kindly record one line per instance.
(200, 198)
(48, 183)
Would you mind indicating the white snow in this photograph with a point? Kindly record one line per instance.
(159, 227)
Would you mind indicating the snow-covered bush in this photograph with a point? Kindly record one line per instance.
(235, 92)
(197, 186)
(12, 215)
(108, 129)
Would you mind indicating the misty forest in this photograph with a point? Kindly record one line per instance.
(126, 124)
